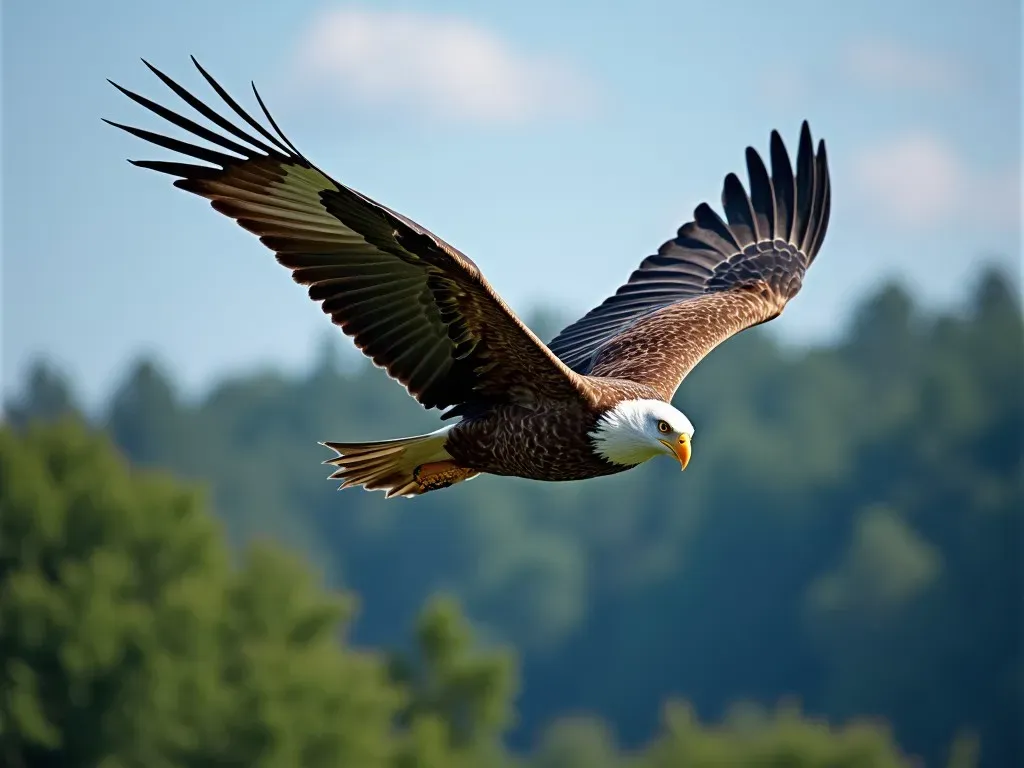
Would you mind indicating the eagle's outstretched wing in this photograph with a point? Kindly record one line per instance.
(412, 303)
(714, 279)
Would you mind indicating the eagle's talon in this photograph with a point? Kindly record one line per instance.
(439, 474)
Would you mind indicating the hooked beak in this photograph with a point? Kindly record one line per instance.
(681, 450)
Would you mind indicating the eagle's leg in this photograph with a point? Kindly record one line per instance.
(440, 474)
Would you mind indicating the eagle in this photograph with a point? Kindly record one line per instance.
(597, 399)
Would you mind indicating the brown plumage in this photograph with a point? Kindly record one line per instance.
(592, 402)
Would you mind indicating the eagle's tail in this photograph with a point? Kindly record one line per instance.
(406, 466)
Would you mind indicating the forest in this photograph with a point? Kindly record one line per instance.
(834, 581)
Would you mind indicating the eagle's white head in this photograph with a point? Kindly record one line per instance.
(637, 430)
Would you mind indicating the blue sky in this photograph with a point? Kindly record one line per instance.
(555, 143)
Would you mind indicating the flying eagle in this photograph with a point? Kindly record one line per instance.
(594, 401)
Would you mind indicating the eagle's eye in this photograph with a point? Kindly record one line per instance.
(664, 428)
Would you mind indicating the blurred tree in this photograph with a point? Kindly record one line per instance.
(46, 396)
(782, 738)
(125, 639)
(459, 703)
(146, 419)
(886, 566)
(300, 698)
(577, 742)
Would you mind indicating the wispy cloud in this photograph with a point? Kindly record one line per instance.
(918, 180)
(888, 65)
(442, 67)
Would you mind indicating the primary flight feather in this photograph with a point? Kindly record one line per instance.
(597, 399)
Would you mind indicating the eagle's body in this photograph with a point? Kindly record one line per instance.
(592, 402)
(538, 442)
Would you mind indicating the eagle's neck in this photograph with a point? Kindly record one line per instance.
(620, 434)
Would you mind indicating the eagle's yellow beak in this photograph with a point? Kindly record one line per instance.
(681, 449)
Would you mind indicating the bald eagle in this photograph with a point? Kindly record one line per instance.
(594, 401)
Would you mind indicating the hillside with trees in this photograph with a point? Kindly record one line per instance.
(836, 574)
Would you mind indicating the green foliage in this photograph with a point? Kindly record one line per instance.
(108, 583)
(886, 566)
(458, 701)
(127, 640)
(782, 738)
(577, 742)
(847, 533)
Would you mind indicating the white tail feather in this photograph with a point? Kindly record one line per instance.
(388, 465)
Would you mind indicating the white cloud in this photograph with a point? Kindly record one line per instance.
(440, 66)
(919, 180)
(914, 177)
(888, 65)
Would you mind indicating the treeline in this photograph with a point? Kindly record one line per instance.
(129, 639)
(847, 538)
